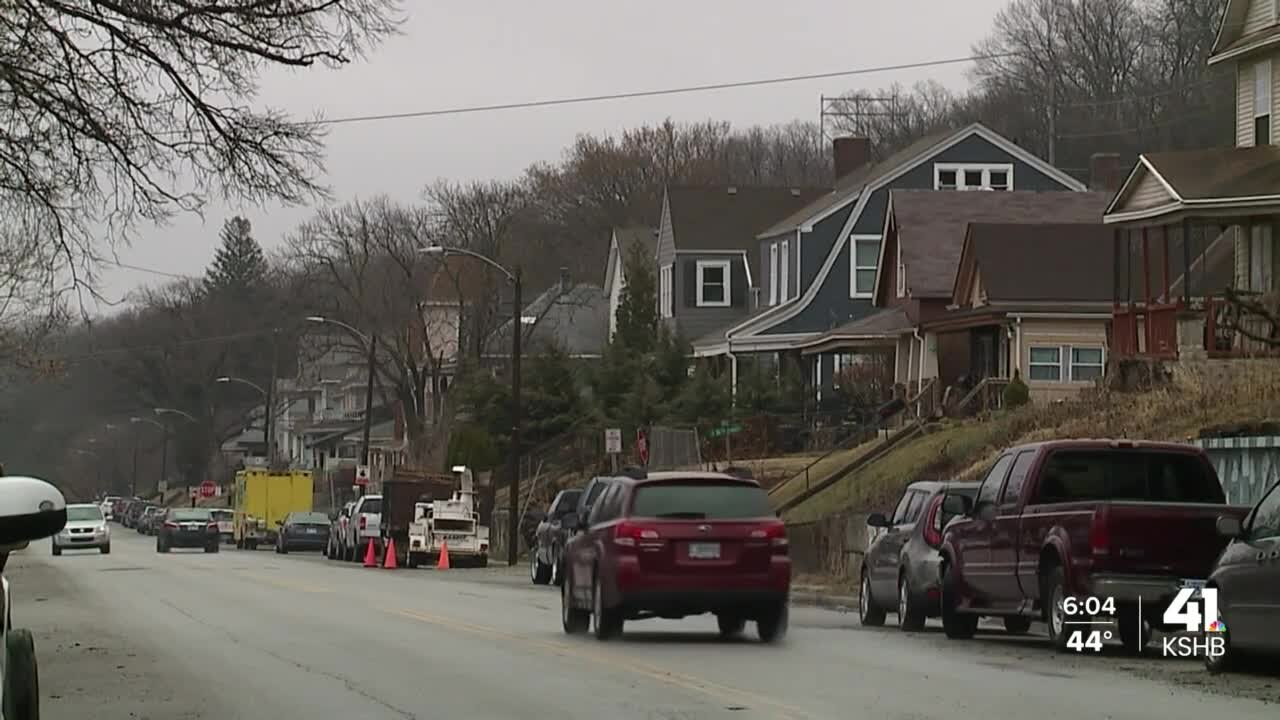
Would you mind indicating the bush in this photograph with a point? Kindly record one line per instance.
(1016, 393)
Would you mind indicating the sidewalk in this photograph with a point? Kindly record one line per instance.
(824, 596)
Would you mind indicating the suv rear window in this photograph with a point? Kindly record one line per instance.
(373, 506)
(1076, 475)
(701, 500)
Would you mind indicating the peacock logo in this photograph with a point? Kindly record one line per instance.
(1217, 626)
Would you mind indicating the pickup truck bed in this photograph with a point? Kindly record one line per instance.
(1119, 520)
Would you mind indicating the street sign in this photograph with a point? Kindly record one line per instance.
(362, 475)
(724, 430)
(613, 441)
(194, 491)
(208, 489)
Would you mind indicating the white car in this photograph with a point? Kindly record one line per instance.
(226, 524)
(86, 529)
(109, 507)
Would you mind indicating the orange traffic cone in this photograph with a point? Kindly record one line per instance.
(371, 556)
(389, 562)
(443, 562)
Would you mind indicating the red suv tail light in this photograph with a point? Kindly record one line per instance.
(171, 525)
(630, 535)
(1100, 534)
(933, 523)
(211, 527)
(776, 534)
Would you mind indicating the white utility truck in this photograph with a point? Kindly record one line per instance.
(452, 523)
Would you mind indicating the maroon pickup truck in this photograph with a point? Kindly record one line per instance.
(1131, 521)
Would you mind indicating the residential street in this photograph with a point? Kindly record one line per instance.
(250, 635)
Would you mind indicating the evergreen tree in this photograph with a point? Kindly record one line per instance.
(239, 264)
(637, 309)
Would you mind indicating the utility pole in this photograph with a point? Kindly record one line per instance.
(133, 479)
(270, 409)
(368, 400)
(513, 494)
(164, 456)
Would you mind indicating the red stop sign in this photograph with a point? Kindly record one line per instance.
(208, 489)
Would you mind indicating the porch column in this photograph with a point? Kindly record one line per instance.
(1186, 262)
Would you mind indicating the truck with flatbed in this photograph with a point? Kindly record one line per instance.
(451, 522)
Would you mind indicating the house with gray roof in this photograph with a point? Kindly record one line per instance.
(707, 251)
(572, 318)
(622, 244)
(821, 264)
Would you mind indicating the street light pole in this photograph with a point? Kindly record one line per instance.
(513, 494)
(368, 402)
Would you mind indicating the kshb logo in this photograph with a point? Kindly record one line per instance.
(1196, 610)
(1195, 614)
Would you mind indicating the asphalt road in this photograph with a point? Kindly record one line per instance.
(257, 635)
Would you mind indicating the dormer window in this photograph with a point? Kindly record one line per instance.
(970, 176)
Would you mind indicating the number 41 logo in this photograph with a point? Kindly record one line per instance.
(1186, 610)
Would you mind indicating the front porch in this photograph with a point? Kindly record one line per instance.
(1197, 272)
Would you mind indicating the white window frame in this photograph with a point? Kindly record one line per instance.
(854, 267)
(784, 271)
(1262, 85)
(1031, 349)
(725, 265)
(1071, 361)
(664, 290)
(773, 273)
(901, 273)
(961, 168)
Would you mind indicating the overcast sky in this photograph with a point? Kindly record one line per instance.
(455, 54)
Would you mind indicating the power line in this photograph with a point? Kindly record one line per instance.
(153, 271)
(576, 100)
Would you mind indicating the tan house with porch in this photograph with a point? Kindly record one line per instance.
(1192, 227)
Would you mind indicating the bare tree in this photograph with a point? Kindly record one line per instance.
(119, 111)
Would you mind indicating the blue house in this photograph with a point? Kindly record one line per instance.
(818, 267)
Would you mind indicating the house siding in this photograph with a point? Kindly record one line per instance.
(1064, 334)
(692, 322)
(1149, 193)
(832, 306)
(764, 278)
(1260, 16)
(617, 280)
(1244, 105)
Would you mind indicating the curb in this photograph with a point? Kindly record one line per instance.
(843, 603)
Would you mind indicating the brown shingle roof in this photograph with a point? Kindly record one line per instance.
(931, 225)
(712, 218)
(1020, 263)
(1220, 172)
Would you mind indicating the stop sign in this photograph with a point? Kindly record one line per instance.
(208, 489)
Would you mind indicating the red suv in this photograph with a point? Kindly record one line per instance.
(673, 544)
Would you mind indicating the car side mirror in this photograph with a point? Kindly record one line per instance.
(985, 511)
(1230, 527)
(877, 520)
(956, 505)
(30, 509)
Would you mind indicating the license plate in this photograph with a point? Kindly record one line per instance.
(312, 531)
(1196, 585)
(704, 551)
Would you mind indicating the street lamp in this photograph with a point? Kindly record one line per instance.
(267, 407)
(370, 342)
(517, 329)
(164, 447)
(133, 483)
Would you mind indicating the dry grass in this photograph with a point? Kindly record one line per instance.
(795, 480)
(1197, 396)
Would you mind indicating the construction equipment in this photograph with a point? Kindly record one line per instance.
(262, 498)
(453, 524)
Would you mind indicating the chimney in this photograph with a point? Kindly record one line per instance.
(1105, 173)
(850, 153)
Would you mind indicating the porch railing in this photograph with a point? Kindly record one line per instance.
(1145, 330)
(986, 396)
(1234, 329)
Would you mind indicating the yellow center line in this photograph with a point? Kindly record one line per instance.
(286, 584)
(724, 693)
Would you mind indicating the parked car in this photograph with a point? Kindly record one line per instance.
(134, 513)
(303, 531)
(673, 544)
(86, 529)
(226, 524)
(337, 548)
(900, 569)
(1125, 520)
(1247, 577)
(150, 517)
(108, 506)
(187, 528)
(364, 527)
(551, 535)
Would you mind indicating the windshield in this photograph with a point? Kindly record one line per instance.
(83, 512)
(698, 500)
(191, 515)
(310, 518)
(221, 514)
(372, 506)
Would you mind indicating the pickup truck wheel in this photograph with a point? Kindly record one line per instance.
(1134, 635)
(574, 619)
(911, 614)
(539, 572)
(956, 625)
(869, 614)
(21, 677)
(1053, 588)
(1017, 625)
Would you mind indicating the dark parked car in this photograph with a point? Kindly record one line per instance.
(187, 528)
(673, 544)
(1247, 578)
(149, 520)
(900, 569)
(134, 513)
(551, 535)
(303, 531)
